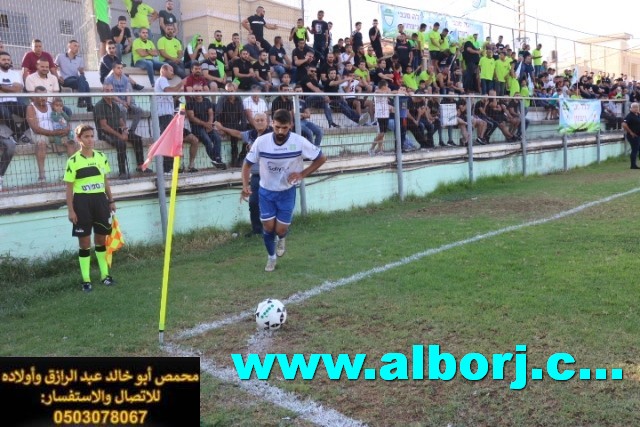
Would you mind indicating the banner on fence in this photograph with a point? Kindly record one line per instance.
(459, 29)
(579, 115)
(448, 115)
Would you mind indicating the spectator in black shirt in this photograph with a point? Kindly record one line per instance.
(253, 48)
(243, 72)
(631, 126)
(403, 50)
(230, 113)
(166, 17)
(278, 58)
(310, 84)
(471, 57)
(302, 57)
(320, 30)
(356, 37)
(256, 24)
(233, 49)
(121, 34)
(263, 72)
(201, 116)
(109, 60)
(219, 46)
(375, 39)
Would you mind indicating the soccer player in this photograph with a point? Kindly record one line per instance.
(281, 156)
(90, 203)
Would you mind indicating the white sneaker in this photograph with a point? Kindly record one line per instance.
(271, 264)
(371, 152)
(280, 247)
(364, 119)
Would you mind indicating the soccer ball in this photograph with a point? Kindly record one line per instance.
(270, 314)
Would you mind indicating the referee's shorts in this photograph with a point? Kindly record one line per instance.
(93, 213)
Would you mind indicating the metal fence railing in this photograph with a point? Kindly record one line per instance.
(345, 126)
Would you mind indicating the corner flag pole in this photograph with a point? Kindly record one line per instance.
(167, 250)
(169, 145)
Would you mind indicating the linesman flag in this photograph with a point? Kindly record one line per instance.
(115, 240)
(170, 142)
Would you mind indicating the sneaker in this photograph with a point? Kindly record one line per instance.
(280, 247)
(86, 286)
(371, 152)
(219, 164)
(373, 123)
(137, 87)
(479, 141)
(334, 125)
(451, 143)
(192, 170)
(108, 281)
(123, 176)
(271, 264)
(364, 119)
(146, 171)
(82, 103)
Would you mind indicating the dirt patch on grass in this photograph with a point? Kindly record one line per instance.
(498, 207)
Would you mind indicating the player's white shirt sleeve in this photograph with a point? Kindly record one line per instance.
(277, 162)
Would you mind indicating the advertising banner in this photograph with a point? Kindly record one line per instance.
(579, 115)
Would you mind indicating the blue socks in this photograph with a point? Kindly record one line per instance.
(270, 242)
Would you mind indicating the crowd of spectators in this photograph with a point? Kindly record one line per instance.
(426, 62)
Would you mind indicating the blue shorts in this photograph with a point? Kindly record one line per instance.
(277, 204)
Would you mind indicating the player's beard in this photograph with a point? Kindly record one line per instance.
(281, 138)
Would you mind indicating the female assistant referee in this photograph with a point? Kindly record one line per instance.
(90, 203)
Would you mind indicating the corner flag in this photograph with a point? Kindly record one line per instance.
(170, 142)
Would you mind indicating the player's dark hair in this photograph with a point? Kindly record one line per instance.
(282, 116)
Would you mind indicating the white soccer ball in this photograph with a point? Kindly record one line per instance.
(271, 314)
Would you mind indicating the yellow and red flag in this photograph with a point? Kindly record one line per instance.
(115, 240)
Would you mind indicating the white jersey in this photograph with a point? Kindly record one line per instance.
(381, 104)
(8, 78)
(277, 162)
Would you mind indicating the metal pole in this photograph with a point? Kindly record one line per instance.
(162, 196)
(523, 133)
(566, 154)
(598, 146)
(298, 125)
(396, 120)
(470, 141)
(240, 21)
(350, 19)
(556, 45)
(302, 9)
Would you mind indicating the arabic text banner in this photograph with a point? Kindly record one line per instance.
(579, 115)
(158, 391)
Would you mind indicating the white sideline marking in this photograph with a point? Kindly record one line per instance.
(300, 297)
(307, 409)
